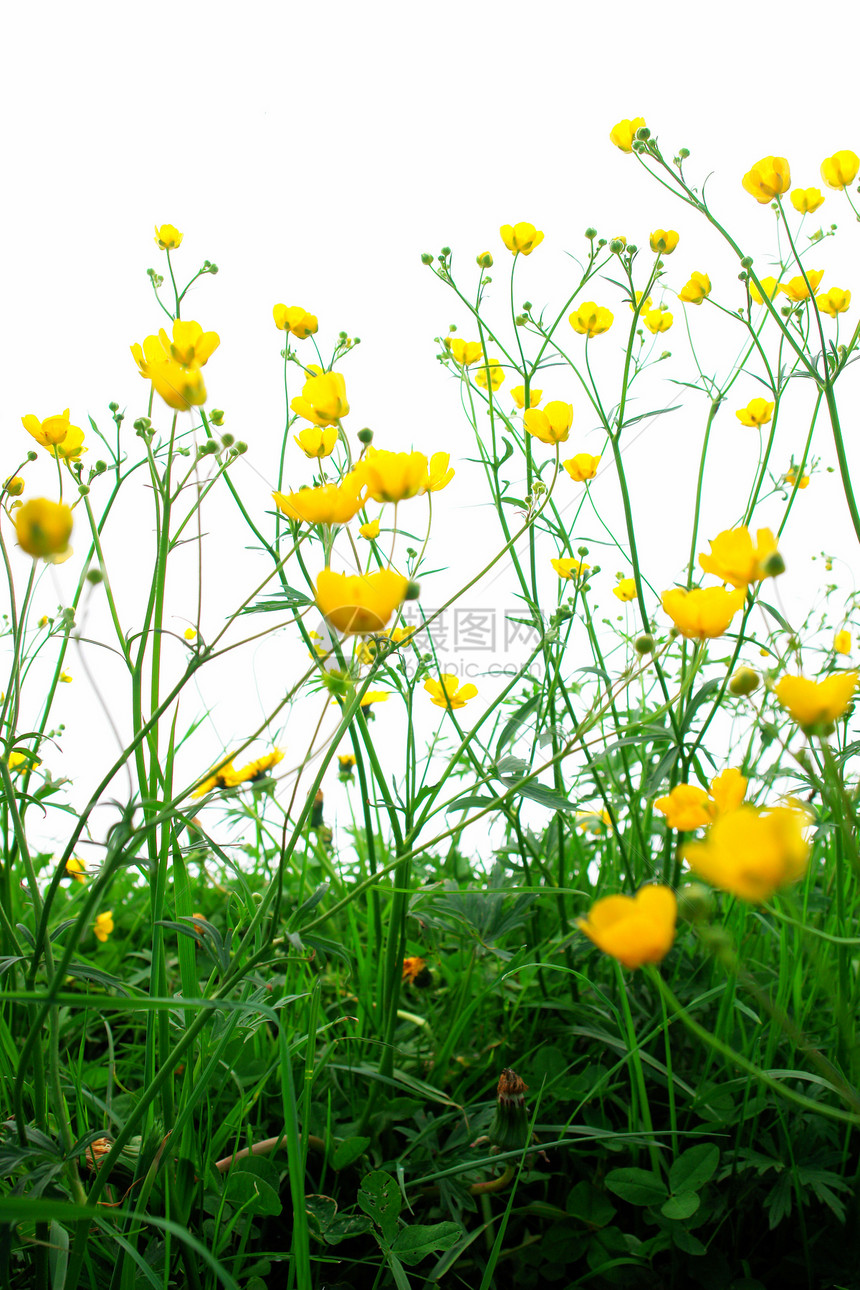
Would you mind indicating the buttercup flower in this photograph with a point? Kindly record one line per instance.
(18, 761)
(66, 677)
(840, 170)
(568, 568)
(518, 394)
(663, 241)
(687, 807)
(842, 642)
(317, 441)
(497, 375)
(14, 486)
(657, 320)
(727, 791)
(791, 478)
(43, 527)
(57, 434)
(103, 925)
(750, 852)
(439, 472)
(221, 777)
(254, 770)
(590, 319)
(696, 290)
(447, 691)
(76, 869)
(806, 200)
(796, 288)
(736, 559)
(623, 134)
(373, 696)
(370, 530)
(644, 305)
(174, 366)
(464, 352)
(360, 606)
(581, 467)
(297, 321)
(768, 179)
(521, 238)
(633, 929)
(756, 413)
(816, 705)
(190, 634)
(323, 399)
(167, 238)
(771, 288)
(625, 589)
(393, 476)
(704, 612)
(833, 302)
(329, 504)
(550, 424)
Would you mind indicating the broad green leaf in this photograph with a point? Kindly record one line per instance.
(379, 1197)
(414, 1243)
(637, 1186)
(694, 1168)
(681, 1206)
(348, 1151)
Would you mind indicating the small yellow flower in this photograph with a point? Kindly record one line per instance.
(19, 761)
(190, 634)
(757, 413)
(360, 606)
(373, 696)
(581, 467)
(518, 394)
(704, 612)
(221, 777)
(644, 305)
(297, 321)
(750, 852)
(323, 399)
(484, 260)
(696, 290)
(317, 441)
(254, 770)
(735, 558)
(806, 200)
(346, 760)
(796, 288)
(842, 642)
(550, 424)
(686, 807)
(568, 568)
(657, 320)
(816, 705)
(590, 319)
(167, 238)
(413, 968)
(464, 352)
(173, 366)
(370, 530)
(103, 925)
(768, 179)
(14, 486)
(393, 476)
(497, 375)
(840, 170)
(57, 434)
(521, 239)
(791, 478)
(663, 241)
(439, 472)
(447, 691)
(43, 527)
(625, 589)
(633, 929)
(623, 134)
(66, 677)
(329, 504)
(771, 289)
(833, 302)
(76, 869)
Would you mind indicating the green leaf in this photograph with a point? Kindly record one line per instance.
(379, 1197)
(469, 803)
(288, 599)
(590, 1205)
(543, 796)
(774, 613)
(681, 1206)
(256, 1180)
(347, 1226)
(348, 1151)
(414, 1243)
(694, 1168)
(701, 696)
(518, 718)
(321, 1212)
(687, 1242)
(637, 1186)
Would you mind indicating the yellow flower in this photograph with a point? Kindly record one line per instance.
(833, 302)
(521, 238)
(768, 179)
(518, 394)
(644, 305)
(323, 399)
(633, 929)
(581, 467)
(771, 288)
(464, 352)
(590, 319)
(66, 677)
(174, 366)
(686, 807)
(657, 320)
(727, 791)
(57, 434)
(791, 477)
(625, 589)
(14, 486)
(254, 770)
(484, 260)
(103, 925)
(623, 134)
(756, 413)
(76, 869)
(317, 441)
(816, 705)
(840, 170)
(393, 476)
(413, 968)
(167, 238)
(297, 321)
(550, 424)
(190, 634)
(370, 530)
(221, 777)
(750, 852)
(43, 527)
(695, 291)
(19, 761)
(736, 559)
(796, 288)
(439, 472)
(663, 241)
(360, 606)
(329, 504)
(497, 375)
(447, 691)
(568, 568)
(842, 642)
(702, 612)
(806, 200)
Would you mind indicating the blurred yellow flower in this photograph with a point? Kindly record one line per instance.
(791, 477)
(43, 527)
(625, 589)
(328, 504)
(439, 472)
(497, 375)
(686, 807)
(833, 302)
(806, 200)
(413, 968)
(796, 288)
(57, 434)
(191, 345)
(768, 179)
(323, 399)
(842, 642)
(393, 476)
(297, 321)
(771, 288)
(751, 853)
(550, 424)
(569, 568)
(663, 241)
(704, 612)
(590, 319)
(644, 305)
(633, 929)
(221, 777)
(167, 238)
(756, 413)
(657, 320)
(623, 134)
(362, 605)
(66, 677)
(317, 441)
(815, 705)
(518, 394)
(76, 869)
(174, 366)
(727, 791)
(14, 486)
(521, 238)
(18, 761)
(464, 352)
(103, 925)
(370, 530)
(447, 691)
(581, 467)
(735, 558)
(190, 634)
(254, 770)
(373, 696)
(840, 170)
(696, 290)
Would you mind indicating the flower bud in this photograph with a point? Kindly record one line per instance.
(241, 447)
(216, 416)
(212, 268)
(100, 467)
(84, 490)
(32, 456)
(683, 153)
(14, 486)
(113, 407)
(643, 132)
(744, 681)
(485, 260)
(616, 246)
(591, 234)
(746, 262)
(426, 258)
(141, 424)
(774, 565)
(413, 591)
(365, 436)
(209, 448)
(644, 645)
(509, 1130)
(446, 250)
(95, 576)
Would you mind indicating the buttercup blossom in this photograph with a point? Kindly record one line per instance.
(43, 527)
(644, 305)
(373, 696)
(464, 352)
(447, 691)
(569, 568)
(18, 761)
(796, 288)
(581, 467)
(657, 320)
(735, 558)
(323, 399)
(104, 925)
(768, 179)
(771, 288)
(297, 321)
(591, 319)
(225, 775)
(625, 589)
(167, 238)
(497, 375)
(791, 477)
(521, 239)
(833, 302)
(696, 290)
(370, 530)
(750, 852)
(633, 929)
(840, 170)
(439, 472)
(756, 413)
(360, 606)
(57, 434)
(689, 807)
(816, 705)
(174, 366)
(842, 642)
(704, 612)
(806, 200)
(329, 504)
(663, 241)
(393, 476)
(518, 394)
(623, 134)
(76, 869)
(317, 441)
(14, 486)
(550, 424)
